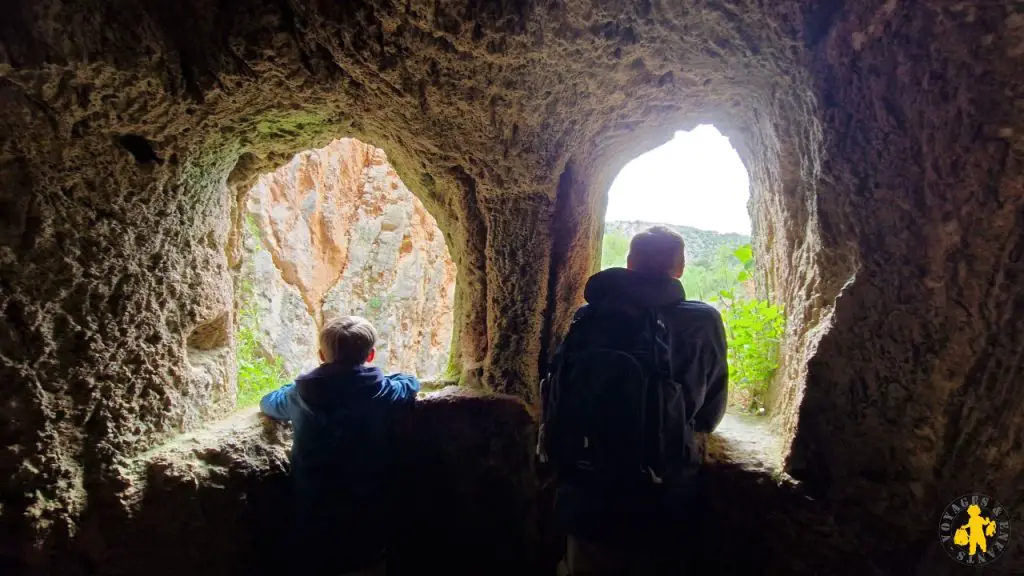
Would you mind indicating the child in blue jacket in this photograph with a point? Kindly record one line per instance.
(343, 415)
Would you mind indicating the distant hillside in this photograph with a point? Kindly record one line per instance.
(701, 245)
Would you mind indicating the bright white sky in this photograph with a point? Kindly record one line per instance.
(696, 179)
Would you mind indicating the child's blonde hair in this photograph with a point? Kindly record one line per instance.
(347, 340)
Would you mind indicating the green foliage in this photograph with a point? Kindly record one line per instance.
(252, 227)
(745, 256)
(614, 249)
(706, 278)
(375, 303)
(256, 374)
(754, 329)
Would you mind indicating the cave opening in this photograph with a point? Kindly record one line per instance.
(334, 231)
(697, 185)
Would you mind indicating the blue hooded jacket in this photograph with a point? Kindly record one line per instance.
(342, 456)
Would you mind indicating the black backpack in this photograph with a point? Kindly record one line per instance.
(605, 397)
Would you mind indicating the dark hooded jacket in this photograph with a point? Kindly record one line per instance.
(342, 459)
(699, 364)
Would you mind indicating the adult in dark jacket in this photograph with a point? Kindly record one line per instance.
(645, 532)
(343, 414)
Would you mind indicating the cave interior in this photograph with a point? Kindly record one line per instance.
(885, 147)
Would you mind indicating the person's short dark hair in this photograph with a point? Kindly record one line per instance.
(347, 340)
(657, 251)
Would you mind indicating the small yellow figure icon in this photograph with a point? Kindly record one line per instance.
(974, 531)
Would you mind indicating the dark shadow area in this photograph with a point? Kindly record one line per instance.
(140, 149)
(469, 492)
(471, 502)
(218, 501)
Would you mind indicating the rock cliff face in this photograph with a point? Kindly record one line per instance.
(335, 232)
(274, 309)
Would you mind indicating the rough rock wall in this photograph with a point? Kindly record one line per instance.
(923, 180)
(349, 238)
(882, 138)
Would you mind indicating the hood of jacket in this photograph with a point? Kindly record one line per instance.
(331, 384)
(641, 289)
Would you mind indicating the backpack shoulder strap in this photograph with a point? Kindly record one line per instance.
(551, 382)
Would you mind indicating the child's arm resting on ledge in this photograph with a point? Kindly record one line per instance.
(399, 388)
(277, 404)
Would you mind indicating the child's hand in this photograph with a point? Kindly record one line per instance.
(274, 431)
(267, 423)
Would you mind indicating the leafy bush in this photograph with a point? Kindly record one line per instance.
(754, 328)
(256, 374)
(706, 278)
